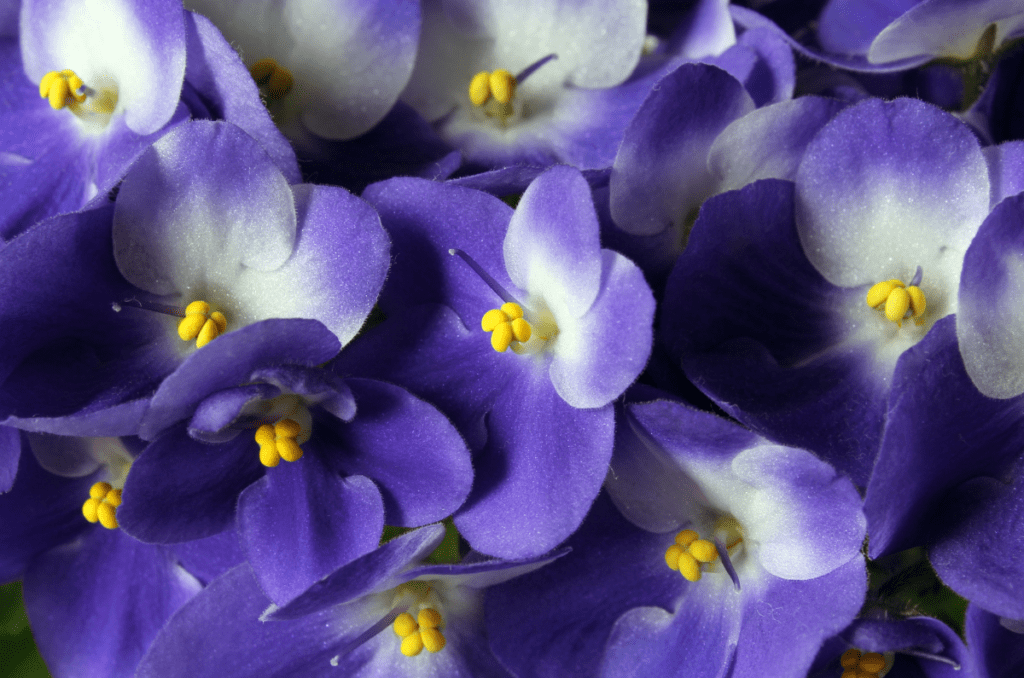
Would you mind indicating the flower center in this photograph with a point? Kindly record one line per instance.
(64, 89)
(273, 79)
(282, 439)
(493, 92)
(200, 324)
(901, 301)
(101, 506)
(690, 554)
(857, 664)
(423, 631)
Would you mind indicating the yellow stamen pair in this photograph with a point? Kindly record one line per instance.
(500, 84)
(424, 634)
(61, 88)
(898, 299)
(861, 665)
(273, 78)
(101, 506)
(277, 442)
(200, 324)
(505, 325)
(687, 554)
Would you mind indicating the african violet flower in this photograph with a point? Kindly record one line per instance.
(95, 597)
(734, 554)
(886, 200)
(111, 76)
(540, 414)
(528, 82)
(385, 614)
(333, 69)
(205, 223)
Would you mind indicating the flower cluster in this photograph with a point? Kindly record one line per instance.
(476, 338)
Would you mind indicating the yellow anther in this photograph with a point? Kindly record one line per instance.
(113, 498)
(689, 567)
(432, 639)
(89, 509)
(107, 515)
(672, 556)
(872, 662)
(99, 490)
(200, 324)
(61, 88)
(404, 625)
(480, 88)
(277, 442)
(506, 324)
(879, 292)
(849, 659)
(275, 80)
(502, 85)
(412, 645)
(898, 299)
(686, 537)
(429, 618)
(703, 550)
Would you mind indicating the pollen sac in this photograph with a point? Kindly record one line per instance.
(274, 79)
(505, 325)
(200, 324)
(857, 664)
(421, 632)
(688, 553)
(61, 88)
(277, 442)
(101, 506)
(899, 300)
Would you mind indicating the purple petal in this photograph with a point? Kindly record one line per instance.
(660, 173)
(230, 360)
(999, 652)
(1005, 169)
(890, 186)
(115, 592)
(540, 471)
(215, 70)
(302, 521)
(706, 30)
(408, 448)
(849, 26)
(10, 452)
(221, 409)
(208, 558)
(990, 321)
(180, 489)
(763, 62)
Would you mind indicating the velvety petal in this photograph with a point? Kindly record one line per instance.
(220, 409)
(760, 331)
(39, 511)
(990, 323)
(660, 173)
(208, 558)
(230, 360)
(318, 387)
(999, 652)
(763, 62)
(849, 26)
(409, 449)
(976, 552)
(786, 622)
(215, 71)
(198, 206)
(336, 271)
(706, 30)
(302, 521)
(10, 452)
(428, 350)
(964, 435)
(583, 371)
(425, 219)
(537, 639)
(890, 186)
(768, 143)
(180, 489)
(946, 28)
(699, 634)
(540, 471)
(552, 247)
(1005, 169)
(375, 571)
(115, 592)
(242, 645)
(140, 45)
